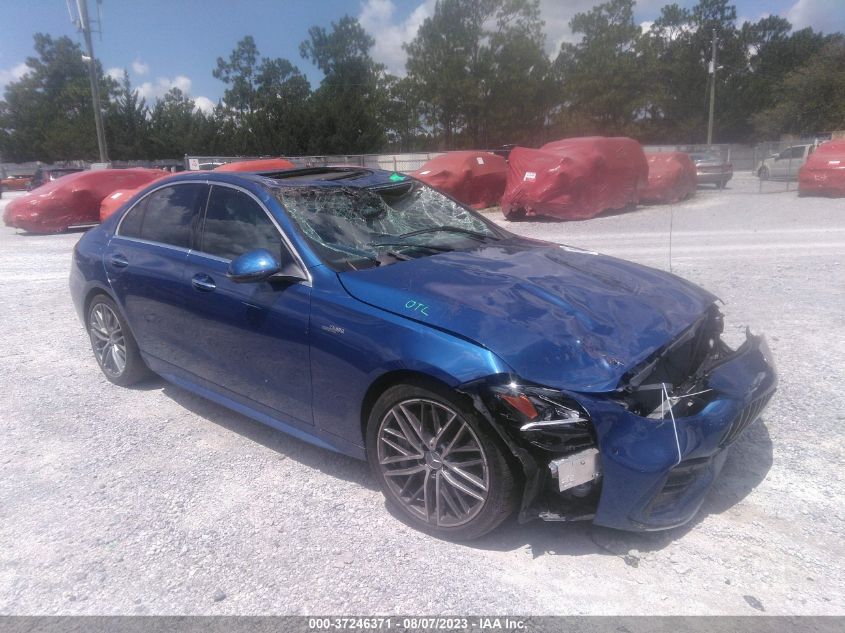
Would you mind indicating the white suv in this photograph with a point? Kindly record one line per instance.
(786, 164)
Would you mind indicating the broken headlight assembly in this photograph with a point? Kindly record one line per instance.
(558, 429)
(537, 411)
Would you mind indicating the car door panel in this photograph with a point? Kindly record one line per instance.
(251, 338)
(145, 265)
(147, 281)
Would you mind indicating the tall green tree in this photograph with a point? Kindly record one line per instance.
(348, 106)
(47, 114)
(601, 76)
(810, 98)
(126, 123)
(481, 72)
(177, 128)
(265, 107)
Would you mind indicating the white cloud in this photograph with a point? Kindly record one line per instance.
(377, 18)
(557, 16)
(151, 91)
(140, 68)
(204, 105)
(8, 75)
(822, 15)
(115, 73)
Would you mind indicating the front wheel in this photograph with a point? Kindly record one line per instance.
(114, 346)
(438, 464)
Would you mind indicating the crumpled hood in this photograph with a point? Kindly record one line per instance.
(558, 316)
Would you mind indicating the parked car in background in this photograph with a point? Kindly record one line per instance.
(786, 164)
(479, 372)
(671, 178)
(14, 183)
(711, 168)
(476, 179)
(824, 172)
(43, 175)
(72, 200)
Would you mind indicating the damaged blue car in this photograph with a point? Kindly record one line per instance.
(480, 373)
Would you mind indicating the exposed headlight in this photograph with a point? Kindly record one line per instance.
(548, 418)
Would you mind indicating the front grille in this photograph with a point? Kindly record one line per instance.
(748, 415)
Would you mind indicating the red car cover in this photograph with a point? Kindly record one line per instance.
(116, 199)
(73, 199)
(259, 164)
(824, 172)
(575, 178)
(671, 177)
(475, 178)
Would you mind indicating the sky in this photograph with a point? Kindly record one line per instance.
(165, 43)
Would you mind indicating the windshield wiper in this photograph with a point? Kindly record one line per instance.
(451, 229)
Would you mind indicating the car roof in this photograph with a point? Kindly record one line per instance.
(350, 176)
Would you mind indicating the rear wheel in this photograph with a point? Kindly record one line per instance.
(437, 464)
(114, 346)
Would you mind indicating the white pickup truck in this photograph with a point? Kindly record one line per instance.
(785, 165)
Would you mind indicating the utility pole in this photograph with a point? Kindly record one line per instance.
(85, 26)
(712, 90)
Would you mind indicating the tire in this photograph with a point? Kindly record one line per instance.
(112, 341)
(763, 173)
(458, 498)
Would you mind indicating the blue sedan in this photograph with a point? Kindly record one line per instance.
(480, 373)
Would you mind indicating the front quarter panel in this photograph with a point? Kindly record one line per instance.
(354, 344)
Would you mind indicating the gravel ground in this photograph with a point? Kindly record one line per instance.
(154, 501)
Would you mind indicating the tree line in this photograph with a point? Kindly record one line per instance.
(477, 76)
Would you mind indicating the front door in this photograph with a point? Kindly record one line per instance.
(249, 338)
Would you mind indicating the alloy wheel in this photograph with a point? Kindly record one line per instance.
(433, 462)
(107, 339)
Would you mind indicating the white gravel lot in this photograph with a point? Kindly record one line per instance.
(155, 501)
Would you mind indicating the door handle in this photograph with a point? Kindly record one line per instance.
(203, 283)
(118, 261)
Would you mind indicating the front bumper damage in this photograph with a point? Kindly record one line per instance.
(656, 466)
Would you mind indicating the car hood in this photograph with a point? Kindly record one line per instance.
(559, 316)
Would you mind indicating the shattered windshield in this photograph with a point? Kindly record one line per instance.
(352, 228)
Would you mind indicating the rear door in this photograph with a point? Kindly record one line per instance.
(145, 264)
(249, 338)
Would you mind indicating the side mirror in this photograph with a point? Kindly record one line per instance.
(253, 266)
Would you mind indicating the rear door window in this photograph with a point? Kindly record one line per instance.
(167, 215)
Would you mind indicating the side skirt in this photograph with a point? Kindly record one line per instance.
(232, 401)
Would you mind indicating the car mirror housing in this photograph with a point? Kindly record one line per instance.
(253, 266)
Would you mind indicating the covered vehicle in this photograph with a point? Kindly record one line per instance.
(116, 199)
(712, 169)
(17, 182)
(72, 200)
(476, 179)
(258, 164)
(671, 177)
(575, 179)
(824, 172)
(43, 175)
(479, 372)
